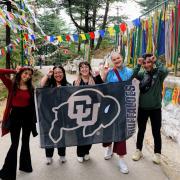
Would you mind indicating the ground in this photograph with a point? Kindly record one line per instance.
(98, 168)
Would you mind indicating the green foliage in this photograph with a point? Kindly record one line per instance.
(3, 62)
(107, 42)
(47, 3)
(52, 24)
(147, 5)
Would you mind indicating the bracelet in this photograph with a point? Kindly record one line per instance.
(48, 76)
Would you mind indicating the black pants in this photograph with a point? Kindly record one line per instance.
(50, 152)
(155, 118)
(83, 150)
(19, 120)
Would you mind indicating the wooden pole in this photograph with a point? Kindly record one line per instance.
(8, 38)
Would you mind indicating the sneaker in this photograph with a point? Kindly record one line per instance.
(80, 159)
(137, 155)
(49, 161)
(156, 158)
(62, 159)
(86, 157)
(108, 153)
(123, 167)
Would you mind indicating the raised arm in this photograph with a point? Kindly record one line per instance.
(136, 71)
(45, 78)
(4, 77)
(7, 71)
(162, 70)
(105, 73)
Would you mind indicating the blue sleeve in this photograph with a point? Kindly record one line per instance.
(109, 75)
(129, 73)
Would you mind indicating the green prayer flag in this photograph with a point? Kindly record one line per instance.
(116, 28)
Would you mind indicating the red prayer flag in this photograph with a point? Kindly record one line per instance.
(123, 27)
(92, 35)
(68, 37)
(3, 52)
(26, 36)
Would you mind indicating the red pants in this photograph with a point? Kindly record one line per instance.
(118, 148)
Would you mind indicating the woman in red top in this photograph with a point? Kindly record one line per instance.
(19, 114)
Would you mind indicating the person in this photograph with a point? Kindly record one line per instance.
(85, 78)
(118, 73)
(19, 114)
(151, 83)
(55, 78)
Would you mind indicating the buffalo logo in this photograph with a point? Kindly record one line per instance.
(88, 108)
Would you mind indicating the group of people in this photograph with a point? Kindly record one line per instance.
(20, 111)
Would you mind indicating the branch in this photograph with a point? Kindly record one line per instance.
(73, 20)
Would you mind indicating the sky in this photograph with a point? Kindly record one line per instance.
(131, 9)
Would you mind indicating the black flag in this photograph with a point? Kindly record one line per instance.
(70, 116)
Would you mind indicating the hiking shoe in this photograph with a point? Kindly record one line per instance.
(108, 153)
(86, 157)
(137, 155)
(123, 167)
(62, 159)
(49, 161)
(156, 158)
(80, 159)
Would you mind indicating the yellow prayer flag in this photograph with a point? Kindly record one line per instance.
(149, 48)
(83, 36)
(111, 31)
(59, 38)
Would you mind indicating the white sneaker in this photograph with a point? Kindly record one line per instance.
(62, 159)
(86, 157)
(80, 159)
(108, 153)
(156, 158)
(137, 155)
(123, 167)
(49, 161)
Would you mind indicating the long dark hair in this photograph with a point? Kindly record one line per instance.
(17, 79)
(87, 64)
(52, 81)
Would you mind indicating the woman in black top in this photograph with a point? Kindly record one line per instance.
(85, 78)
(55, 78)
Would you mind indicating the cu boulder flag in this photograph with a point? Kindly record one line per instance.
(70, 116)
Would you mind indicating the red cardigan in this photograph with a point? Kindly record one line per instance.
(9, 85)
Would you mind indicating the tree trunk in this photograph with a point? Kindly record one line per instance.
(93, 25)
(104, 23)
(86, 18)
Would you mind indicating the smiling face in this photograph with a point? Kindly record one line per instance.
(84, 70)
(58, 74)
(26, 75)
(117, 60)
(148, 64)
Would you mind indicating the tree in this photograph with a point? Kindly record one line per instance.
(88, 11)
(52, 24)
(147, 5)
